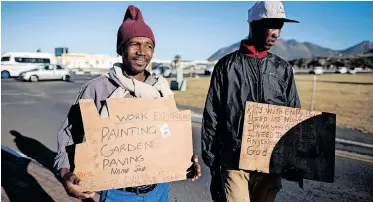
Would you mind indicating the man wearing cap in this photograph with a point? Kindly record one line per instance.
(135, 43)
(248, 74)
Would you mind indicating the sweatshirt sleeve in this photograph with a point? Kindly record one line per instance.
(71, 132)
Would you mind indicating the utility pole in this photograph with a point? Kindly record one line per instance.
(313, 92)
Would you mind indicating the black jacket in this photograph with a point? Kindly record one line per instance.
(238, 78)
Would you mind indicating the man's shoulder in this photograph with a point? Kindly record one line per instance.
(279, 60)
(98, 83)
(95, 81)
(228, 59)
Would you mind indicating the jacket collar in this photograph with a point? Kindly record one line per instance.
(249, 50)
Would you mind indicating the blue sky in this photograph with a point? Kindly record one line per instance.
(195, 30)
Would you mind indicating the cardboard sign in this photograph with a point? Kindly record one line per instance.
(276, 138)
(143, 141)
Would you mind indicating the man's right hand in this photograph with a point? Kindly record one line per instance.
(71, 184)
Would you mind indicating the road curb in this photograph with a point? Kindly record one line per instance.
(20, 155)
(11, 151)
(340, 144)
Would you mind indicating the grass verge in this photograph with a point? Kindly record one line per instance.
(348, 96)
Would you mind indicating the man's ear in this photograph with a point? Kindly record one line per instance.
(250, 31)
(124, 48)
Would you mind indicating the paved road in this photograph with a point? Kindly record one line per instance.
(32, 113)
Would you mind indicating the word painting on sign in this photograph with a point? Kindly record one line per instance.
(128, 149)
(276, 138)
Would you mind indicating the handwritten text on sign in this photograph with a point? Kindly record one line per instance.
(264, 125)
(129, 149)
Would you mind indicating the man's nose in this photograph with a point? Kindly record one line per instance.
(141, 50)
(276, 33)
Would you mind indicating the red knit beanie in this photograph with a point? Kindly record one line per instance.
(133, 26)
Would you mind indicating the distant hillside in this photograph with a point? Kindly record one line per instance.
(292, 49)
(359, 48)
(224, 51)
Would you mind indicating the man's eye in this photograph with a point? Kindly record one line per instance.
(150, 47)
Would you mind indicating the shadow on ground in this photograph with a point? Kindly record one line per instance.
(18, 184)
(34, 149)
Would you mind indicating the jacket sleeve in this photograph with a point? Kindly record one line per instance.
(291, 91)
(211, 115)
(71, 132)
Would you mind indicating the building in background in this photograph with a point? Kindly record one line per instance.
(60, 51)
(87, 61)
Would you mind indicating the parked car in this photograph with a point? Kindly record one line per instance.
(164, 71)
(353, 70)
(317, 70)
(341, 70)
(45, 72)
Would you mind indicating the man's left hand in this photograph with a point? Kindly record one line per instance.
(194, 171)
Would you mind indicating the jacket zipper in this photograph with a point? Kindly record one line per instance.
(259, 79)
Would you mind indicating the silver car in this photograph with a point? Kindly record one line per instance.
(341, 70)
(317, 70)
(46, 72)
(165, 71)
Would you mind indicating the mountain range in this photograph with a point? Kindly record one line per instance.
(292, 49)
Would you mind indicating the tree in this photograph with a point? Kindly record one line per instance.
(38, 51)
(300, 63)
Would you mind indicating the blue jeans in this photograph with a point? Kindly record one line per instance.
(158, 194)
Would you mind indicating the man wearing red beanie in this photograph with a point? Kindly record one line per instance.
(135, 43)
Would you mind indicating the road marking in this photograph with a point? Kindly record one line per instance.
(17, 103)
(42, 94)
(34, 102)
(354, 143)
(25, 94)
(354, 156)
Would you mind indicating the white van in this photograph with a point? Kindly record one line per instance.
(13, 63)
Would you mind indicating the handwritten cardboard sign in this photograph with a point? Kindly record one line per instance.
(143, 141)
(276, 138)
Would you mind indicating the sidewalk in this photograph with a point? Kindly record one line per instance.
(24, 180)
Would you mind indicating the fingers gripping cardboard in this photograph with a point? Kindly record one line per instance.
(144, 141)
